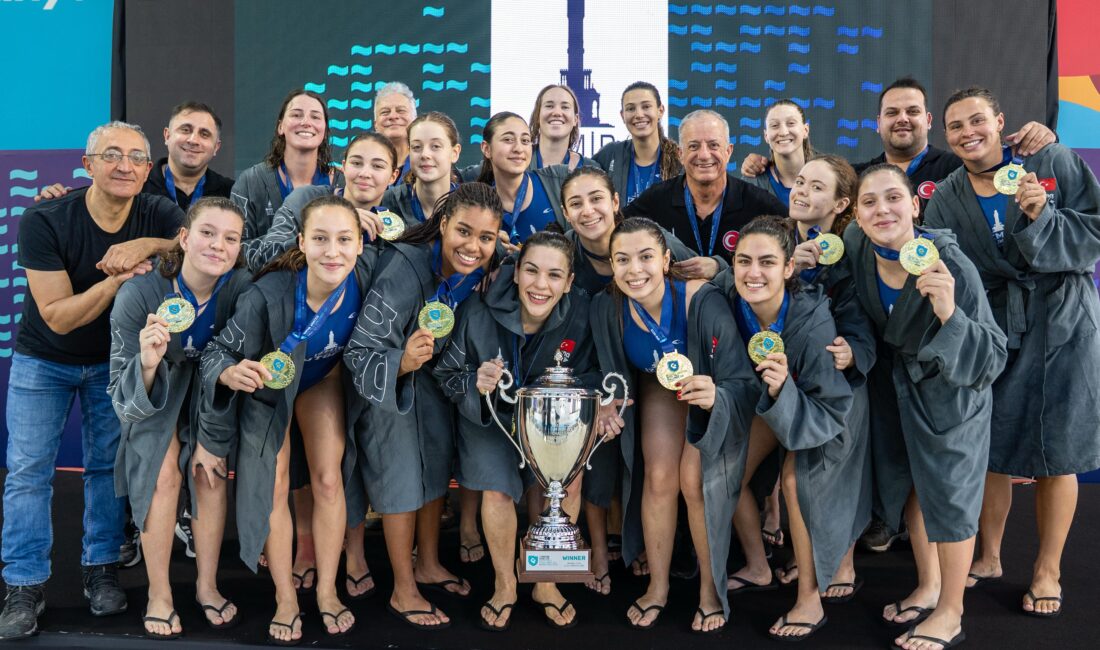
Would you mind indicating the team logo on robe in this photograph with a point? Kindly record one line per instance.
(729, 240)
(926, 189)
(1050, 185)
(564, 350)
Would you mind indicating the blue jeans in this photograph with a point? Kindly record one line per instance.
(40, 396)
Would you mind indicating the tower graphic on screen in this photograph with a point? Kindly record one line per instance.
(576, 76)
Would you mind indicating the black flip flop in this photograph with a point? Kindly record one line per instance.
(468, 549)
(290, 626)
(357, 581)
(750, 586)
(922, 613)
(773, 537)
(599, 580)
(443, 584)
(404, 616)
(1035, 601)
(485, 625)
(981, 580)
(220, 611)
(302, 589)
(335, 621)
(836, 600)
(167, 621)
(956, 640)
(794, 638)
(705, 616)
(561, 612)
(644, 611)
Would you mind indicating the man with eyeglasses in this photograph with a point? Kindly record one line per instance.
(77, 251)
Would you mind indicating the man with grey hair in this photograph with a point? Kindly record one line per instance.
(77, 251)
(394, 110)
(706, 206)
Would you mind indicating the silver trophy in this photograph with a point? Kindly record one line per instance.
(555, 434)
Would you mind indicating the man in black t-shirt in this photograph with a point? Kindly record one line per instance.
(706, 206)
(77, 252)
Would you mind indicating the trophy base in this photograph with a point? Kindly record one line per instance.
(554, 565)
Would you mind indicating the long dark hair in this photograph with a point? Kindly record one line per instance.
(602, 177)
(293, 259)
(475, 195)
(486, 173)
(275, 154)
(650, 227)
(779, 229)
(670, 165)
(550, 239)
(172, 262)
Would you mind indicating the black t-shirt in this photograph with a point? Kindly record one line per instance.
(664, 203)
(216, 185)
(935, 167)
(60, 235)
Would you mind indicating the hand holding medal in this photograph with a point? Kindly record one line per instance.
(766, 348)
(938, 285)
(247, 376)
(278, 364)
(697, 390)
(918, 254)
(1007, 179)
(673, 367)
(153, 339)
(392, 225)
(774, 372)
(418, 350)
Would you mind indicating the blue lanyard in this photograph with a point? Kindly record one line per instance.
(453, 290)
(891, 254)
(417, 208)
(286, 187)
(517, 360)
(659, 332)
(517, 208)
(715, 218)
(538, 158)
(303, 331)
(809, 275)
(753, 325)
(170, 185)
(189, 296)
(915, 163)
(1006, 157)
(636, 172)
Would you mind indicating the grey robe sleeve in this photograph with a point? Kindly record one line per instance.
(457, 373)
(1068, 238)
(241, 338)
(126, 387)
(247, 186)
(855, 326)
(282, 235)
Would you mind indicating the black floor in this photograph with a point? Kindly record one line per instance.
(993, 618)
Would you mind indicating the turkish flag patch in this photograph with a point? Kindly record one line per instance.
(926, 189)
(713, 345)
(729, 240)
(567, 345)
(1049, 184)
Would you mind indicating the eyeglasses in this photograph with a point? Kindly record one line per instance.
(114, 157)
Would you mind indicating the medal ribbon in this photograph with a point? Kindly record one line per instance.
(659, 332)
(453, 290)
(189, 295)
(538, 158)
(286, 187)
(418, 209)
(914, 163)
(302, 331)
(715, 218)
(517, 360)
(170, 185)
(636, 173)
(891, 254)
(1006, 157)
(809, 275)
(517, 207)
(753, 325)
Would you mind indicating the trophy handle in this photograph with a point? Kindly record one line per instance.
(604, 402)
(505, 383)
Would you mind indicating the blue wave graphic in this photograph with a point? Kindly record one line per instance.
(795, 30)
(823, 11)
(479, 122)
(871, 31)
(673, 121)
(475, 138)
(677, 101)
(5, 319)
(701, 67)
(749, 30)
(749, 47)
(753, 140)
(456, 85)
(702, 30)
(434, 12)
(702, 102)
(821, 102)
(850, 32)
(774, 30)
(728, 68)
(870, 87)
(723, 46)
(677, 84)
(850, 125)
(725, 10)
(679, 10)
(434, 48)
(845, 48)
(845, 141)
(362, 124)
(339, 141)
(337, 104)
(339, 125)
(749, 101)
(460, 48)
(774, 10)
(801, 48)
(482, 102)
(384, 49)
(28, 192)
(23, 174)
(796, 10)
(361, 50)
(408, 48)
(364, 70)
(679, 30)
(431, 68)
(480, 67)
(725, 84)
(749, 123)
(3, 213)
(728, 102)
(702, 10)
(18, 210)
(432, 85)
(869, 124)
(800, 69)
(751, 10)
(359, 86)
(770, 84)
(317, 88)
(696, 46)
(802, 103)
(339, 71)
(79, 172)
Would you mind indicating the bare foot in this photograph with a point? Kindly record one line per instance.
(643, 612)
(163, 609)
(640, 565)
(709, 616)
(286, 625)
(497, 611)
(441, 577)
(216, 607)
(336, 618)
(786, 575)
(792, 623)
(559, 610)
(470, 550)
(1044, 596)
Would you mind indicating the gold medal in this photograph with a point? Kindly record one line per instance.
(437, 317)
(392, 225)
(832, 249)
(1007, 179)
(918, 254)
(178, 312)
(672, 369)
(764, 343)
(281, 367)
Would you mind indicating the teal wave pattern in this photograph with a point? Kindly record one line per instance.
(434, 12)
(23, 174)
(313, 87)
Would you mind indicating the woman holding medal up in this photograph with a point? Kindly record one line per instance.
(646, 158)
(1031, 226)
(676, 339)
(161, 323)
(939, 352)
(296, 320)
(406, 440)
(434, 147)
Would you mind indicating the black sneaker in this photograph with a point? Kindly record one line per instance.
(183, 532)
(102, 589)
(22, 607)
(129, 554)
(878, 537)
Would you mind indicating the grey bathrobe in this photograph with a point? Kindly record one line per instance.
(615, 158)
(931, 393)
(150, 418)
(256, 193)
(487, 328)
(721, 434)
(263, 317)
(1046, 404)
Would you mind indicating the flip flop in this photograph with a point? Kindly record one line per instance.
(167, 621)
(290, 626)
(922, 613)
(462, 548)
(335, 622)
(793, 638)
(1035, 601)
(749, 586)
(301, 588)
(486, 625)
(640, 567)
(599, 581)
(443, 584)
(561, 612)
(705, 615)
(956, 640)
(773, 537)
(981, 580)
(836, 600)
(220, 611)
(407, 614)
(357, 581)
(644, 611)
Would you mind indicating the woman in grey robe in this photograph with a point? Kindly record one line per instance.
(406, 439)
(1036, 256)
(931, 397)
(434, 147)
(303, 306)
(714, 405)
(154, 389)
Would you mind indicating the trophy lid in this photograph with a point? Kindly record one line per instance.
(557, 377)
